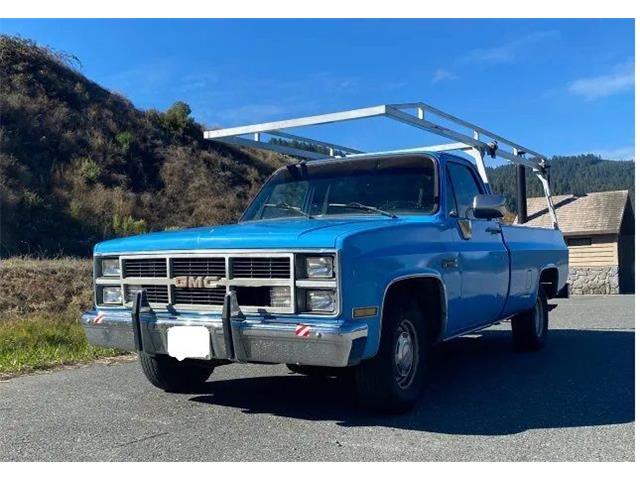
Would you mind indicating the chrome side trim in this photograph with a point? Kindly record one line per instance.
(210, 252)
(443, 299)
(472, 330)
(316, 283)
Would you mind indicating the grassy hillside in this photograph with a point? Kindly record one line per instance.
(79, 163)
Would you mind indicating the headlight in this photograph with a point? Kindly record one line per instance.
(321, 300)
(319, 267)
(111, 295)
(110, 267)
(280, 297)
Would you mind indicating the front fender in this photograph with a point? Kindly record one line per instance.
(377, 296)
(372, 263)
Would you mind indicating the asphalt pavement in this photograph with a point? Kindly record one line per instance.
(572, 401)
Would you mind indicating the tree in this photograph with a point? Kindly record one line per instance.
(177, 120)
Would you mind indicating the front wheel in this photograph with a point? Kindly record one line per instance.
(394, 379)
(529, 329)
(172, 375)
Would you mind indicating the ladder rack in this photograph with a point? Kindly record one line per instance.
(466, 137)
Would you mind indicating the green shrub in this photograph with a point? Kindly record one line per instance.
(125, 140)
(90, 170)
(124, 225)
(176, 118)
(75, 209)
(32, 199)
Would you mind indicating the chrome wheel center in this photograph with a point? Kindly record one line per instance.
(406, 354)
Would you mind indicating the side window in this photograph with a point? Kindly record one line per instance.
(452, 208)
(465, 186)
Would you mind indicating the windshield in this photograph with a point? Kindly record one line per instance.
(370, 186)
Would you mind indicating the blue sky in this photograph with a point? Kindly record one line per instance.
(557, 86)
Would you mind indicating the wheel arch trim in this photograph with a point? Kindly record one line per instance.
(443, 300)
(546, 268)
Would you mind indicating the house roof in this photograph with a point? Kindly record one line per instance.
(593, 213)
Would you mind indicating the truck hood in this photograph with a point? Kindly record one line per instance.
(284, 233)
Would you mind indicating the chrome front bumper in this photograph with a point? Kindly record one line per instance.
(269, 341)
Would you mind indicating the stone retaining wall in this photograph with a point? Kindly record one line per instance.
(593, 280)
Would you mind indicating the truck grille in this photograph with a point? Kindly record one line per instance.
(252, 276)
(197, 266)
(199, 296)
(260, 267)
(155, 293)
(145, 267)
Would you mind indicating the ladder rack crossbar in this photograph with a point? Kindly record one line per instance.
(477, 142)
(298, 122)
(392, 111)
(319, 143)
(483, 131)
(460, 137)
(274, 147)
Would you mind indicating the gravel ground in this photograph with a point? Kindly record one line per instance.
(572, 401)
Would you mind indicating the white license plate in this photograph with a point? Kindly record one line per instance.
(188, 342)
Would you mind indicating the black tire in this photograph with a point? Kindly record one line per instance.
(383, 383)
(172, 375)
(530, 329)
(315, 371)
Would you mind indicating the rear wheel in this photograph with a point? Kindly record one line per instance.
(530, 328)
(172, 375)
(394, 379)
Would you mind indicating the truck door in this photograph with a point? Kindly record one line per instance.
(481, 256)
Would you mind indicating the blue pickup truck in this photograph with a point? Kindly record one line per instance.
(356, 264)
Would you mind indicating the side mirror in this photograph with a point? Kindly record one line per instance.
(489, 207)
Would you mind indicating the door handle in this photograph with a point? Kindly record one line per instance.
(494, 229)
(451, 262)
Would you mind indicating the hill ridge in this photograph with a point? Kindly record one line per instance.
(79, 163)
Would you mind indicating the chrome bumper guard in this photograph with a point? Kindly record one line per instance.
(265, 341)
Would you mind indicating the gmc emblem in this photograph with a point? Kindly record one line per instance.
(196, 282)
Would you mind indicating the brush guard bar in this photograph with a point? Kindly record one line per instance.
(233, 337)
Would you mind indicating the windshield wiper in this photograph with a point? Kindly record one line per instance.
(360, 206)
(286, 206)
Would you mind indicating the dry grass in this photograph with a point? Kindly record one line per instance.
(30, 285)
(40, 306)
